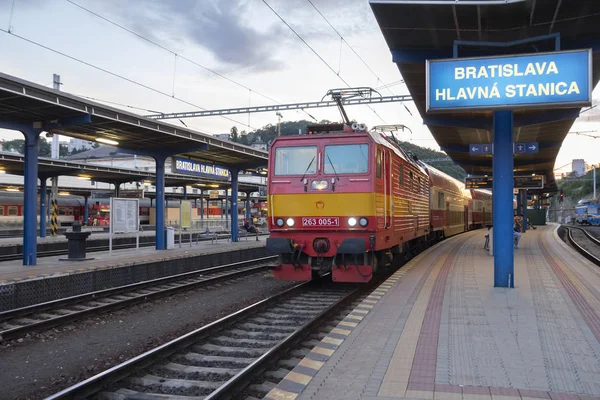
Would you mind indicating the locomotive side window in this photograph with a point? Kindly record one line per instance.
(441, 201)
(346, 159)
(378, 163)
(401, 175)
(419, 187)
(62, 211)
(297, 160)
(13, 210)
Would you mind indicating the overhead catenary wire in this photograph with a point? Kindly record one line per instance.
(356, 53)
(112, 73)
(314, 51)
(177, 55)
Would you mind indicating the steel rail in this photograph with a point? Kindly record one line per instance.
(24, 312)
(580, 248)
(97, 382)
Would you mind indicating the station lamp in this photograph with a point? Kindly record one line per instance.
(107, 141)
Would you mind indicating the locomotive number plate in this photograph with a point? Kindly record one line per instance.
(320, 222)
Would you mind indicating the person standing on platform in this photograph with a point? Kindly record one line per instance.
(517, 232)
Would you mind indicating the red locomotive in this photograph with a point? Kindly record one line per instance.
(351, 202)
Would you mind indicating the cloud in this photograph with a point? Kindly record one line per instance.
(221, 27)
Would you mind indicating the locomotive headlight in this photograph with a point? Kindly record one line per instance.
(363, 222)
(318, 185)
(279, 222)
(290, 222)
(352, 221)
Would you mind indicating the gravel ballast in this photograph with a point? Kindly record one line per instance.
(44, 363)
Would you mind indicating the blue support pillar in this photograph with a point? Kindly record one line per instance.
(227, 209)
(160, 202)
(202, 204)
(502, 199)
(43, 191)
(234, 206)
(524, 211)
(248, 205)
(32, 138)
(86, 211)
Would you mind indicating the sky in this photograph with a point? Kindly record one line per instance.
(241, 40)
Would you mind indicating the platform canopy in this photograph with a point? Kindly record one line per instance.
(418, 30)
(65, 114)
(13, 163)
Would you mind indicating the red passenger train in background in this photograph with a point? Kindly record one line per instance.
(352, 202)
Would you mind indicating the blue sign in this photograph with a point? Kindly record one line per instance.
(527, 148)
(185, 166)
(509, 82)
(478, 149)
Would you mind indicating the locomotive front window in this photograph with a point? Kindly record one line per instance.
(298, 160)
(346, 159)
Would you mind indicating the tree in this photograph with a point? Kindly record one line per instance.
(234, 134)
(15, 145)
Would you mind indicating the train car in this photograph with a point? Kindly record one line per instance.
(449, 205)
(481, 208)
(70, 209)
(587, 210)
(344, 201)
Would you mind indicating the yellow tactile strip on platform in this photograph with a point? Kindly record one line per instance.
(294, 382)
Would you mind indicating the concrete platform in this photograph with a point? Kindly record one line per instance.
(14, 271)
(438, 329)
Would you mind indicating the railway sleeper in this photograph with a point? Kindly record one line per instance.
(193, 370)
(126, 394)
(235, 342)
(254, 352)
(202, 360)
(242, 334)
(159, 384)
(266, 327)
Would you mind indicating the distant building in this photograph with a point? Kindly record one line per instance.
(578, 167)
(78, 144)
(260, 144)
(223, 136)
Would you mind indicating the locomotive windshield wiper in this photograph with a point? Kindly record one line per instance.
(333, 168)
(307, 168)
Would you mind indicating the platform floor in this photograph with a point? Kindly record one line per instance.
(438, 329)
(11, 271)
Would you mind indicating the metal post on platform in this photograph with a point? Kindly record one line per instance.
(184, 192)
(30, 186)
(55, 153)
(234, 206)
(248, 205)
(43, 205)
(524, 213)
(201, 204)
(86, 210)
(502, 212)
(519, 202)
(160, 202)
(227, 209)
(594, 181)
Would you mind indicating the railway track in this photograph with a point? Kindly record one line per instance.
(221, 359)
(91, 249)
(18, 322)
(584, 243)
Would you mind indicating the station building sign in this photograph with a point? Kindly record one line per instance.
(190, 167)
(509, 82)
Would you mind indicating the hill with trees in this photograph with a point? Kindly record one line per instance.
(268, 133)
(577, 188)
